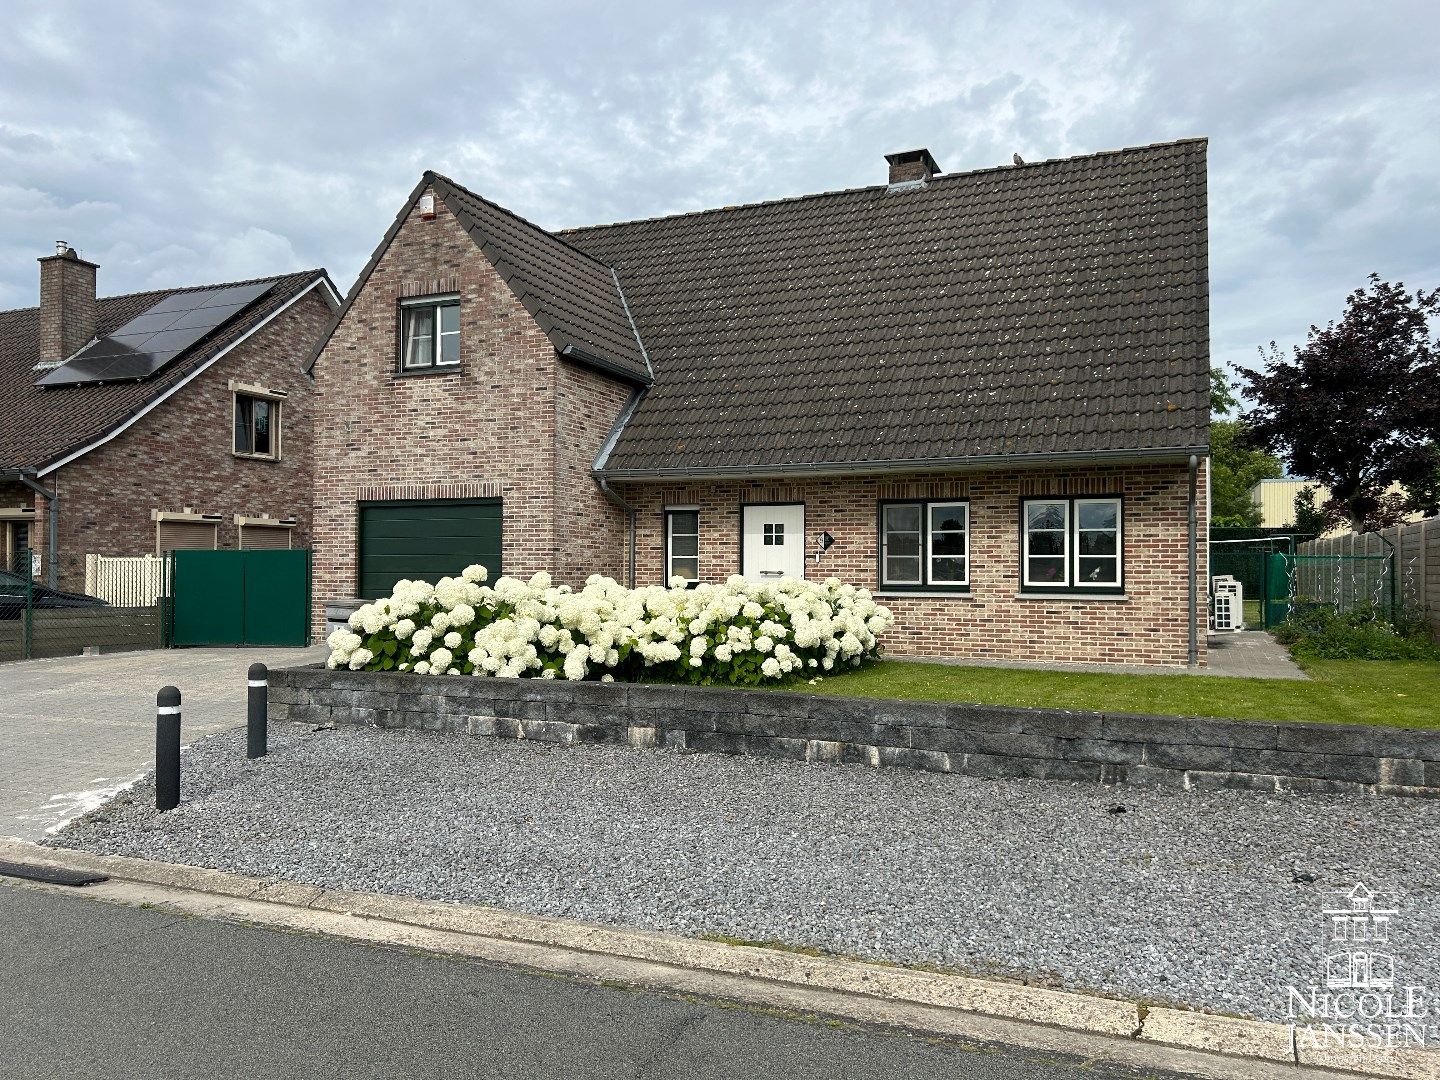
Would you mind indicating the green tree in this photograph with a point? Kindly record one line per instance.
(1235, 466)
(1235, 469)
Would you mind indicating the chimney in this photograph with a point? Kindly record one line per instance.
(911, 166)
(67, 303)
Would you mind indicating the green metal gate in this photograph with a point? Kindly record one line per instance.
(250, 597)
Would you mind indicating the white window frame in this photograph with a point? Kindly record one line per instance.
(670, 556)
(1118, 557)
(437, 334)
(926, 579)
(1064, 555)
(1070, 536)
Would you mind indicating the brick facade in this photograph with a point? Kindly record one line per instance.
(180, 454)
(515, 421)
(512, 416)
(992, 622)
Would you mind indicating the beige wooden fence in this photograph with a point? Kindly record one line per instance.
(1417, 563)
(125, 581)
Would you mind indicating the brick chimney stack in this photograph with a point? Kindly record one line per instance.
(911, 165)
(67, 303)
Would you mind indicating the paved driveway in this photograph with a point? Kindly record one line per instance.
(74, 729)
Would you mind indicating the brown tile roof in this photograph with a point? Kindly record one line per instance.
(1055, 308)
(573, 296)
(39, 426)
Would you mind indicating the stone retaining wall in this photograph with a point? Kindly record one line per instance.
(976, 740)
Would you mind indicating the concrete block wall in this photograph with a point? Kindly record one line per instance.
(974, 740)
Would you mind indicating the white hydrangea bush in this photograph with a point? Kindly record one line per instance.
(739, 633)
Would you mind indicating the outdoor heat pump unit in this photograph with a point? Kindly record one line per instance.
(1227, 603)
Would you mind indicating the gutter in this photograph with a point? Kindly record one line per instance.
(52, 518)
(1175, 455)
(573, 352)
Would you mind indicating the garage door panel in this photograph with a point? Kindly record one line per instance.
(426, 540)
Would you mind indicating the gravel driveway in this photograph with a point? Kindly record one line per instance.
(1212, 899)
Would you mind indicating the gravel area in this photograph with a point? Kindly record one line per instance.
(1210, 899)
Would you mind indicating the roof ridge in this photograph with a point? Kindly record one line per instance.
(561, 234)
(320, 270)
(518, 217)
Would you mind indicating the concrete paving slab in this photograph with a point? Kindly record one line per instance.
(75, 729)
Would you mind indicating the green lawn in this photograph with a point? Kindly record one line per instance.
(1400, 694)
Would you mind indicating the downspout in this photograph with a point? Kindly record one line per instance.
(1194, 654)
(630, 513)
(52, 514)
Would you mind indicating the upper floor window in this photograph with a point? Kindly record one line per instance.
(429, 333)
(257, 426)
(925, 545)
(1072, 544)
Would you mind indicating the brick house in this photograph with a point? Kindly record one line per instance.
(983, 396)
(136, 424)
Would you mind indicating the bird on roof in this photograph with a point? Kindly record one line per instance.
(1017, 159)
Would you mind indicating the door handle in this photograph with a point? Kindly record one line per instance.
(772, 573)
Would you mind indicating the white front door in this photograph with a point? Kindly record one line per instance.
(773, 542)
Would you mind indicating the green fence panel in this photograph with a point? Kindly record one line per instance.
(1277, 590)
(274, 581)
(209, 593)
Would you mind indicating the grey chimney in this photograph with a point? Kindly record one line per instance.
(909, 166)
(67, 303)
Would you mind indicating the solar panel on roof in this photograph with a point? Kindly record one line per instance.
(156, 336)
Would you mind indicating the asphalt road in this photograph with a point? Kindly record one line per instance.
(94, 989)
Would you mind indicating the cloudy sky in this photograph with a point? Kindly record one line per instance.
(188, 143)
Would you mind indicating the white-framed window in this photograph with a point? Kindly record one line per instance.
(1072, 545)
(429, 333)
(257, 426)
(925, 545)
(682, 544)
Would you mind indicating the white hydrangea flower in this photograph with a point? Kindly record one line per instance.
(475, 574)
(452, 640)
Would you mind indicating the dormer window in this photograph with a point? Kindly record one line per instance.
(429, 333)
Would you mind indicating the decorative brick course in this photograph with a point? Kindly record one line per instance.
(975, 740)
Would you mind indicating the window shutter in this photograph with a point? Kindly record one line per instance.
(186, 535)
(264, 536)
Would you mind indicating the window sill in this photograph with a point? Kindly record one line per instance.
(923, 594)
(270, 458)
(412, 373)
(1076, 597)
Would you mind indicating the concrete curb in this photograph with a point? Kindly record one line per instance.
(919, 1000)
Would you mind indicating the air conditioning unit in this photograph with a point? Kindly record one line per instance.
(1227, 603)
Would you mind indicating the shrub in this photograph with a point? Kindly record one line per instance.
(740, 633)
(1362, 633)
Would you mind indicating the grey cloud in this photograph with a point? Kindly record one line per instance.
(185, 142)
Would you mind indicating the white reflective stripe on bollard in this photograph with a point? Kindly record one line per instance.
(259, 682)
(167, 710)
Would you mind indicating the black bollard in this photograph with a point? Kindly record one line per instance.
(167, 748)
(255, 721)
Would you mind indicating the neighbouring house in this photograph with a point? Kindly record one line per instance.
(173, 418)
(982, 395)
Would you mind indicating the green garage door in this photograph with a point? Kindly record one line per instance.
(427, 539)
